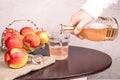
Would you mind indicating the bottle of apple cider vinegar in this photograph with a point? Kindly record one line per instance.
(101, 29)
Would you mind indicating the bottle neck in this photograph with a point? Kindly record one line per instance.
(65, 28)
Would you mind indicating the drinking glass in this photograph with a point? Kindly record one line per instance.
(59, 45)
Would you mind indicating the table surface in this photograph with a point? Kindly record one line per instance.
(81, 62)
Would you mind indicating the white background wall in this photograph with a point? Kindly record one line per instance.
(48, 14)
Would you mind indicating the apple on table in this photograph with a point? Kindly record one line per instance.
(16, 57)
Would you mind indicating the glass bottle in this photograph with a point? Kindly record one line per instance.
(101, 29)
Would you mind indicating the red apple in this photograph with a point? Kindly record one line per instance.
(14, 41)
(26, 30)
(43, 35)
(16, 57)
(10, 32)
(31, 42)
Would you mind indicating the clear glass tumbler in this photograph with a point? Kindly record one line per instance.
(59, 45)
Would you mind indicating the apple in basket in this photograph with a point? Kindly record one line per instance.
(30, 40)
(10, 32)
(26, 30)
(43, 35)
(16, 57)
(13, 41)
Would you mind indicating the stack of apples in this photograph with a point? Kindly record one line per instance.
(19, 43)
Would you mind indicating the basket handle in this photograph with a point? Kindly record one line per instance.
(22, 20)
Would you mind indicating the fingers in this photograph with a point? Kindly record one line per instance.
(74, 21)
(79, 27)
(79, 20)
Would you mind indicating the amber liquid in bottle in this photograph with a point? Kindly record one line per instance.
(103, 29)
